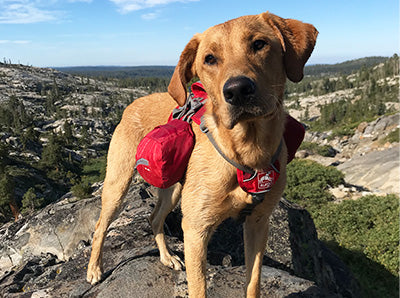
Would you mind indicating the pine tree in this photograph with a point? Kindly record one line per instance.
(52, 154)
(3, 157)
(7, 198)
(29, 137)
(30, 202)
(68, 134)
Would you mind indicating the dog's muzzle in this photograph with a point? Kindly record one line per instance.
(243, 102)
(239, 91)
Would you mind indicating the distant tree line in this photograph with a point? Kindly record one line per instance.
(343, 68)
(152, 78)
(120, 72)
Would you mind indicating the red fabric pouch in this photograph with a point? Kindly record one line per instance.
(163, 154)
(293, 135)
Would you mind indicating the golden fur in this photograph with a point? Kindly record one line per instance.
(248, 134)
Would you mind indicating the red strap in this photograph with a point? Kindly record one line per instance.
(199, 92)
(197, 117)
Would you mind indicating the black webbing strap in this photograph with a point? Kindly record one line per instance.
(246, 211)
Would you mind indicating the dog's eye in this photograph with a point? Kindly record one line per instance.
(210, 60)
(259, 44)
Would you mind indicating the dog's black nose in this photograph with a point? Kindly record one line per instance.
(238, 89)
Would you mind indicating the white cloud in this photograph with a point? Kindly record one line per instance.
(35, 11)
(25, 12)
(21, 41)
(126, 6)
(6, 41)
(150, 16)
(86, 1)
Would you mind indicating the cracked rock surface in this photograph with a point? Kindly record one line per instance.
(46, 254)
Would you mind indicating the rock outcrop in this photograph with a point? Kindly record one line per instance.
(366, 159)
(378, 171)
(46, 255)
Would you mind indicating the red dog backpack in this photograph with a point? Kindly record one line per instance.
(163, 154)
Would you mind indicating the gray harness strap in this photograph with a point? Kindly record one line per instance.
(204, 129)
(186, 112)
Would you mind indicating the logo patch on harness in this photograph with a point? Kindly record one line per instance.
(259, 181)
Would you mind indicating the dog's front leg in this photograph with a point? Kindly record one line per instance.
(255, 239)
(195, 240)
(167, 200)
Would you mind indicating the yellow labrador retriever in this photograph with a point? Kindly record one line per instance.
(243, 65)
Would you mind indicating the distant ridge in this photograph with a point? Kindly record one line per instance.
(119, 72)
(344, 68)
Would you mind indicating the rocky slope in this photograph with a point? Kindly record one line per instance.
(370, 146)
(93, 108)
(46, 255)
(81, 101)
(366, 159)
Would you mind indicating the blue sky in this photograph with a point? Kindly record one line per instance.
(154, 32)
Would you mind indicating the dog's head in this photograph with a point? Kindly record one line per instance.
(243, 65)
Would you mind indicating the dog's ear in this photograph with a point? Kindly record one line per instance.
(184, 72)
(298, 41)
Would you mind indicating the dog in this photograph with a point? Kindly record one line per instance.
(243, 65)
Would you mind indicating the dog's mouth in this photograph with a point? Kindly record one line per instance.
(255, 108)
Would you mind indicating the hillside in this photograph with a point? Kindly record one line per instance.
(49, 116)
(55, 129)
(52, 124)
(352, 115)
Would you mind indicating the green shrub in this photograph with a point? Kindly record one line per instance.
(363, 232)
(369, 225)
(30, 202)
(82, 190)
(308, 182)
(94, 170)
(323, 150)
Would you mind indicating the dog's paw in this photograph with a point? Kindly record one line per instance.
(94, 275)
(173, 262)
